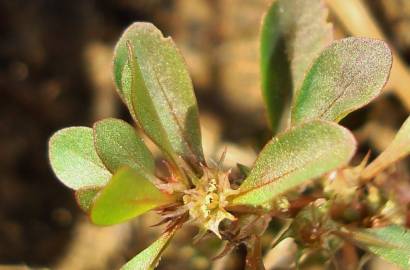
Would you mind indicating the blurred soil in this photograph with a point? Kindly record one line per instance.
(55, 71)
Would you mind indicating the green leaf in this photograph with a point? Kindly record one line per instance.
(74, 159)
(346, 76)
(391, 243)
(154, 81)
(398, 149)
(118, 145)
(300, 154)
(85, 196)
(128, 194)
(244, 170)
(149, 257)
(293, 34)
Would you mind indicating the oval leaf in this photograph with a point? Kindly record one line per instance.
(128, 194)
(156, 83)
(118, 145)
(149, 257)
(74, 159)
(391, 243)
(293, 34)
(300, 154)
(85, 196)
(398, 149)
(346, 76)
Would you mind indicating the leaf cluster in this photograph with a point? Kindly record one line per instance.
(309, 84)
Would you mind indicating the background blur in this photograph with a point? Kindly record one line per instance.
(55, 71)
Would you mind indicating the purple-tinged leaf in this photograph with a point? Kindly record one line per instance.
(294, 157)
(293, 34)
(152, 78)
(345, 77)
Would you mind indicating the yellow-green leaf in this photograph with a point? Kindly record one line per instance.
(294, 157)
(128, 194)
(346, 76)
(118, 145)
(293, 34)
(151, 76)
(391, 243)
(74, 159)
(149, 257)
(398, 149)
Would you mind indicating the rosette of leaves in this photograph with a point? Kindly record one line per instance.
(114, 175)
(306, 76)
